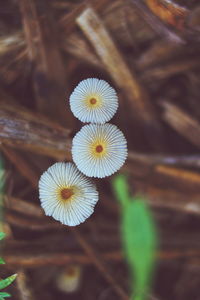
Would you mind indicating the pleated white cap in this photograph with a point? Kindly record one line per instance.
(79, 206)
(106, 138)
(101, 93)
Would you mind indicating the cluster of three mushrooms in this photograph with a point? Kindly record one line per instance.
(99, 149)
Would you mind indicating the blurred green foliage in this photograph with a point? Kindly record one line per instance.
(7, 281)
(2, 186)
(2, 235)
(2, 175)
(139, 238)
(4, 295)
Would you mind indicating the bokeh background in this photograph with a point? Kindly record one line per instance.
(149, 52)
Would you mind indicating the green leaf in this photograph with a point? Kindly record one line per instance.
(121, 189)
(5, 295)
(2, 179)
(139, 239)
(7, 281)
(2, 235)
(2, 174)
(2, 262)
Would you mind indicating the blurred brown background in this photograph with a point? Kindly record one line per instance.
(149, 52)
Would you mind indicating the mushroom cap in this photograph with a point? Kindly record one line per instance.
(66, 194)
(99, 150)
(93, 101)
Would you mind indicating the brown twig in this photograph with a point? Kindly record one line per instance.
(178, 178)
(174, 173)
(157, 54)
(169, 12)
(99, 263)
(60, 259)
(68, 21)
(22, 286)
(80, 48)
(113, 61)
(25, 130)
(23, 206)
(182, 122)
(170, 69)
(25, 222)
(168, 198)
(155, 23)
(49, 72)
(21, 165)
(10, 43)
(170, 160)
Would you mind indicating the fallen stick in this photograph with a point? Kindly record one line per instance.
(98, 261)
(33, 132)
(181, 122)
(60, 259)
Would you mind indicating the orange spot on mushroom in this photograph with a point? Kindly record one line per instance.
(99, 149)
(93, 101)
(66, 193)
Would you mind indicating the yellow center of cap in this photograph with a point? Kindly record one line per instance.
(99, 149)
(93, 101)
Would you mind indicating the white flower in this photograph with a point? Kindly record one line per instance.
(99, 150)
(66, 194)
(94, 101)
